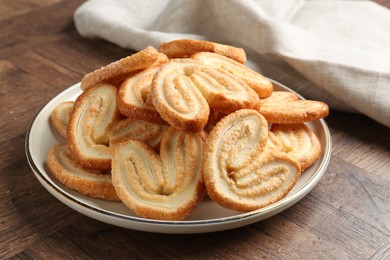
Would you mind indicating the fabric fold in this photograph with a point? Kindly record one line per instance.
(333, 51)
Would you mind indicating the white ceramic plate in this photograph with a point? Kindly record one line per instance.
(207, 217)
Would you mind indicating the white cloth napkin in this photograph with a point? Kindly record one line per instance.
(334, 51)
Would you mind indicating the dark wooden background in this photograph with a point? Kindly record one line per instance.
(347, 215)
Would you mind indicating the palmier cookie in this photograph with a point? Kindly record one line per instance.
(60, 117)
(293, 111)
(237, 173)
(166, 187)
(94, 114)
(184, 90)
(144, 131)
(298, 140)
(260, 84)
(133, 97)
(117, 71)
(88, 182)
(184, 48)
(280, 96)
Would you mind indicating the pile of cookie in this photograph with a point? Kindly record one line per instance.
(161, 129)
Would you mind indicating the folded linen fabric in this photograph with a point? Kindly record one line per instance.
(335, 51)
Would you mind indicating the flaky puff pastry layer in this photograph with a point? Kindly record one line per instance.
(115, 72)
(94, 114)
(280, 96)
(60, 116)
(298, 140)
(166, 186)
(184, 48)
(144, 131)
(260, 84)
(133, 97)
(184, 90)
(88, 182)
(293, 111)
(286, 108)
(238, 173)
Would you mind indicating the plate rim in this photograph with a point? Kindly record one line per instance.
(255, 215)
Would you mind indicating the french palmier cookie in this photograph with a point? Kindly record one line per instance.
(88, 182)
(280, 96)
(144, 131)
(184, 90)
(117, 71)
(293, 111)
(166, 186)
(260, 84)
(133, 97)
(60, 117)
(94, 114)
(298, 140)
(184, 48)
(238, 173)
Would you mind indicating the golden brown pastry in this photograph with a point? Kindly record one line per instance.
(165, 187)
(278, 96)
(60, 117)
(293, 111)
(133, 97)
(144, 131)
(88, 182)
(238, 173)
(184, 48)
(298, 140)
(244, 165)
(260, 84)
(117, 71)
(184, 90)
(94, 114)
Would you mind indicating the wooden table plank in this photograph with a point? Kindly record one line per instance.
(341, 226)
(91, 54)
(28, 212)
(11, 8)
(371, 153)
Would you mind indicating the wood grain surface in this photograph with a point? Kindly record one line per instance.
(346, 216)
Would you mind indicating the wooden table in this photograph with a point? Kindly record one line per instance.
(347, 215)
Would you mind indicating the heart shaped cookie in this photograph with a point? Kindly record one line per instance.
(133, 97)
(184, 48)
(184, 90)
(298, 140)
(94, 114)
(239, 173)
(166, 186)
(260, 84)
